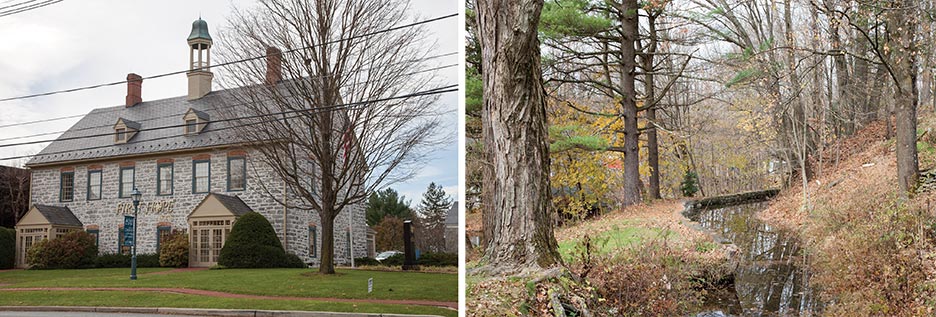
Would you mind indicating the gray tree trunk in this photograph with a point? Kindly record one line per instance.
(902, 60)
(629, 102)
(516, 197)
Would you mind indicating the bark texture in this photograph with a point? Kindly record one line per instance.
(904, 72)
(629, 103)
(516, 214)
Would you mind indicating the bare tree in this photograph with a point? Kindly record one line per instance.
(345, 131)
(14, 195)
(516, 210)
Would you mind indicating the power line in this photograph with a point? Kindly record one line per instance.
(40, 121)
(227, 107)
(28, 8)
(319, 76)
(183, 124)
(233, 62)
(16, 4)
(297, 113)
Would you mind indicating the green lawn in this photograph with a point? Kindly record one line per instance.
(274, 282)
(148, 299)
(616, 238)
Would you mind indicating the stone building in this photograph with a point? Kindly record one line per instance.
(193, 172)
(451, 229)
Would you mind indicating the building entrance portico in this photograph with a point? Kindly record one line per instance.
(210, 223)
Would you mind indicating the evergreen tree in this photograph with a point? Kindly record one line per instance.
(432, 209)
(387, 202)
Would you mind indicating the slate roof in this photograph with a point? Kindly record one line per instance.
(234, 204)
(58, 215)
(451, 217)
(95, 137)
(131, 124)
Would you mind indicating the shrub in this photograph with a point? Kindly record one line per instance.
(438, 259)
(112, 260)
(7, 248)
(366, 261)
(653, 279)
(73, 250)
(294, 261)
(395, 260)
(252, 243)
(148, 260)
(174, 252)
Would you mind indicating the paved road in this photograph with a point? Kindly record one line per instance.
(70, 314)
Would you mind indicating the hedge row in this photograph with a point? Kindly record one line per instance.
(76, 250)
(7, 248)
(426, 259)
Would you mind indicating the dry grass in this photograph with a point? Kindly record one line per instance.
(871, 251)
(665, 273)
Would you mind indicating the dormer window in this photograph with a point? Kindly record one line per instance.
(124, 130)
(195, 121)
(190, 126)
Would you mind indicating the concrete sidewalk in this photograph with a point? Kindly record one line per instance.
(196, 311)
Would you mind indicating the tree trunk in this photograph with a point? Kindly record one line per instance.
(902, 61)
(327, 264)
(841, 80)
(653, 150)
(516, 214)
(629, 103)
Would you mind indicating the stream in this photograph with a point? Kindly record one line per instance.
(771, 278)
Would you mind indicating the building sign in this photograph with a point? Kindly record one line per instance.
(152, 207)
(129, 231)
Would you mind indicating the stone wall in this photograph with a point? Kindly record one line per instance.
(262, 194)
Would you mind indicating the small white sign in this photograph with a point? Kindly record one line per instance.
(370, 285)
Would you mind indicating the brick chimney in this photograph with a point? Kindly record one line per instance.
(274, 58)
(134, 89)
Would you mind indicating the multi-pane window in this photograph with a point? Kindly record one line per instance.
(164, 179)
(97, 235)
(312, 238)
(121, 135)
(201, 176)
(94, 185)
(162, 233)
(126, 181)
(237, 173)
(191, 126)
(349, 243)
(67, 186)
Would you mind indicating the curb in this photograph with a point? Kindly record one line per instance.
(198, 311)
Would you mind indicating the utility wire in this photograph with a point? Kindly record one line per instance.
(227, 107)
(28, 8)
(16, 4)
(211, 121)
(319, 76)
(297, 113)
(233, 62)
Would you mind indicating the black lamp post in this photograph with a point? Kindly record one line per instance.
(136, 207)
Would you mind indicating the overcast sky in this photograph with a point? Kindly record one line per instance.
(79, 43)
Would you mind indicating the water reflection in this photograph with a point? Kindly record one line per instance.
(771, 279)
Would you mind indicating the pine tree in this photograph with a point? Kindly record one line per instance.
(432, 210)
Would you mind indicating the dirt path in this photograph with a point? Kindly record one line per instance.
(452, 305)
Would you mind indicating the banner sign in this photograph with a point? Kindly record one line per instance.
(129, 231)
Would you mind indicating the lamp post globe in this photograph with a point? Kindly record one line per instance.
(135, 195)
